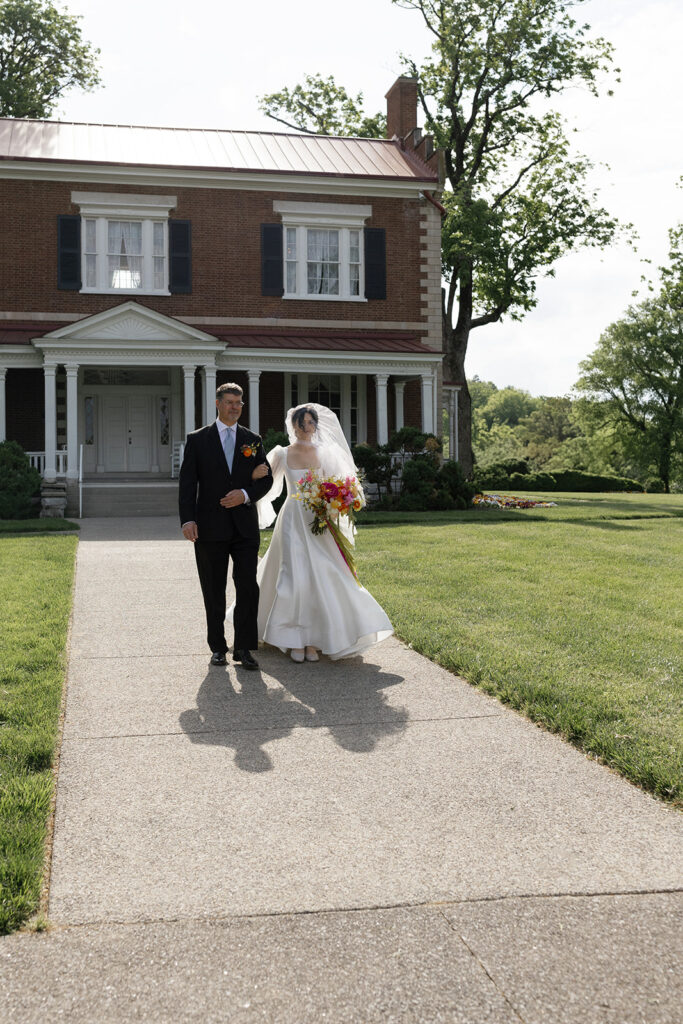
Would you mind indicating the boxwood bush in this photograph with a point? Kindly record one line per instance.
(19, 482)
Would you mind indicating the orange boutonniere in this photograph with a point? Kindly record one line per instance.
(249, 450)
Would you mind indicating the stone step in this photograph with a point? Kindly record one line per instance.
(130, 500)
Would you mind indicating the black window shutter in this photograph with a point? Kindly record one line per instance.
(69, 252)
(271, 260)
(375, 263)
(180, 257)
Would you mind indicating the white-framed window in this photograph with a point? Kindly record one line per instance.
(124, 242)
(323, 250)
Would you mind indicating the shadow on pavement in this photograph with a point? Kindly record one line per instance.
(348, 701)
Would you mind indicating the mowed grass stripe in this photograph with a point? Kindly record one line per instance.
(36, 584)
(576, 624)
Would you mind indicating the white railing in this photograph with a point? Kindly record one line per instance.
(177, 453)
(37, 460)
(80, 482)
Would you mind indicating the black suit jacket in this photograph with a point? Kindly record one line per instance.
(205, 479)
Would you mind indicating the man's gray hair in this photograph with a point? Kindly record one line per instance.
(228, 389)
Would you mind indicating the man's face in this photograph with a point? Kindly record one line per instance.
(229, 408)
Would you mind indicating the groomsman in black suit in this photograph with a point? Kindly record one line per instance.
(217, 501)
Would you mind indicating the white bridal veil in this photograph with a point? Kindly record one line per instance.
(334, 456)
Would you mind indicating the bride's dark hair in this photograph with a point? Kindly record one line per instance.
(299, 414)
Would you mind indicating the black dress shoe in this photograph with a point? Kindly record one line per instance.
(217, 658)
(248, 661)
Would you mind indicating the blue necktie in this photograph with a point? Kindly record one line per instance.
(229, 447)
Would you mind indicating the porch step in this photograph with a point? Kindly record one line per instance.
(128, 499)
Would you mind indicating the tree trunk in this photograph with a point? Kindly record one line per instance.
(664, 460)
(454, 370)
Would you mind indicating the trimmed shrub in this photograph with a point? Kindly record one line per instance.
(655, 486)
(418, 484)
(451, 479)
(577, 480)
(376, 466)
(19, 482)
(272, 438)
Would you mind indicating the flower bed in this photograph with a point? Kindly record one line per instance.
(509, 501)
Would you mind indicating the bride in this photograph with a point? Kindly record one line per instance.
(309, 599)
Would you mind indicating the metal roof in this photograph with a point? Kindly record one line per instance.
(21, 333)
(369, 341)
(210, 149)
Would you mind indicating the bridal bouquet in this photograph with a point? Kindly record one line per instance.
(328, 499)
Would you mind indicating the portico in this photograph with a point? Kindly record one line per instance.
(123, 387)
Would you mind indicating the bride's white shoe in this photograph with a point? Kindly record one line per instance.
(311, 654)
(297, 654)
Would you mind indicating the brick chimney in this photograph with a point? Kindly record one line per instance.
(402, 107)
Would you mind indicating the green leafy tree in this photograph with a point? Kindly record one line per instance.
(509, 405)
(516, 197)
(321, 107)
(633, 380)
(480, 391)
(42, 56)
(547, 428)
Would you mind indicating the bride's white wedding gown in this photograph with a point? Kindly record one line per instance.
(308, 594)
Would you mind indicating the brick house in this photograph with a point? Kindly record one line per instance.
(139, 267)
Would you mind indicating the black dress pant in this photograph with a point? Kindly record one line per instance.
(212, 564)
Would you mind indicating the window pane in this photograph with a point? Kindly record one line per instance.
(354, 279)
(125, 237)
(291, 244)
(291, 278)
(89, 434)
(125, 272)
(158, 239)
(325, 388)
(163, 421)
(354, 246)
(159, 281)
(90, 236)
(90, 271)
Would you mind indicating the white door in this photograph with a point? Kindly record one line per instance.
(114, 432)
(127, 433)
(139, 434)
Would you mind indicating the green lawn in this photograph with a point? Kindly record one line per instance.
(57, 525)
(572, 614)
(36, 579)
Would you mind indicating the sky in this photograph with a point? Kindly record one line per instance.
(204, 64)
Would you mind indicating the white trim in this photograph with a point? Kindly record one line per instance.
(254, 181)
(342, 215)
(301, 361)
(116, 205)
(415, 327)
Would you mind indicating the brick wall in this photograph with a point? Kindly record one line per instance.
(226, 255)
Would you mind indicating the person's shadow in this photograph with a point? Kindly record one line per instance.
(344, 697)
(244, 719)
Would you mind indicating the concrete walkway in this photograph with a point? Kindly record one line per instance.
(359, 841)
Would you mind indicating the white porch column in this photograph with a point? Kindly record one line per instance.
(253, 408)
(399, 388)
(71, 421)
(209, 394)
(3, 404)
(188, 375)
(381, 403)
(50, 375)
(427, 403)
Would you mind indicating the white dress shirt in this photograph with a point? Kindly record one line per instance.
(222, 427)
